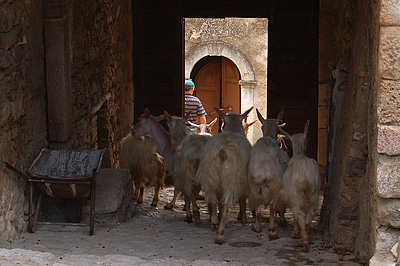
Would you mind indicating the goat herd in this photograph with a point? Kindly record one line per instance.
(227, 168)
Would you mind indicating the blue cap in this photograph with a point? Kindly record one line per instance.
(189, 85)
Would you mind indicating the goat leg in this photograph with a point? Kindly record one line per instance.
(303, 241)
(155, 197)
(271, 227)
(219, 239)
(171, 205)
(196, 209)
(242, 210)
(256, 227)
(213, 213)
(141, 196)
(188, 217)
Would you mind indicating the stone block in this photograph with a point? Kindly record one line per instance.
(389, 53)
(388, 176)
(114, 202)
(389, 140)
(389, 212)
(388, 102)
(386, 238)
(389, 15)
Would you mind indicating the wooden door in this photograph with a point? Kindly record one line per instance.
(158, 57)
(217, 85)
(230, 86)
(208, 86)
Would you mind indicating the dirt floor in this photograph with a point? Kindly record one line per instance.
(156, 236)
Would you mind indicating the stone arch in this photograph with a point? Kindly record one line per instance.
(218, 48)
(247, 82)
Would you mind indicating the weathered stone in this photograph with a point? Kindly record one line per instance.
(356, 168)
(5, 58)
(389, 53)
(324, 94)
(388, 102)
(389, 212)
(386, 238)
(389, 140)
(7, 17)
(388, 176)
(389, 15)
(9, 39)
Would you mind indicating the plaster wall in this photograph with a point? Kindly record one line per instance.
(245, 42)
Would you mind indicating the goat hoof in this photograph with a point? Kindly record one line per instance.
(168, 206)
(196, 216)
(273, 236)
(154, 204)
(256, 229)
(214, 226)
(188, 219)
(295, 235)
(219, 240)
(305, 245)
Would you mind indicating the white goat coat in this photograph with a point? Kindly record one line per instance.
(301, 185)
(266, 166)
(223, 168)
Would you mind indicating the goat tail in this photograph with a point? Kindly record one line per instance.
(161, 170)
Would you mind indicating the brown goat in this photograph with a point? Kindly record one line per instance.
(145, 163)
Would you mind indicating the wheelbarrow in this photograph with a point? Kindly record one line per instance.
(64, 174)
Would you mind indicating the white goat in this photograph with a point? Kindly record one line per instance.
(145, 163)
(266, 166)
(204, 129)
(222, 171)
(301, 187)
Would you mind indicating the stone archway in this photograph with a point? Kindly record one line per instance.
(219, 48)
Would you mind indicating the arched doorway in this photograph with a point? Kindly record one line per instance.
(217, 85)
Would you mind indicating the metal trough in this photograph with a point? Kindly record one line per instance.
(66, 174)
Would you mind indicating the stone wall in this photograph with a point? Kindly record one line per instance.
(22, 105)
(387, 153)
(247, 37)
(102, 75)
(348, 209)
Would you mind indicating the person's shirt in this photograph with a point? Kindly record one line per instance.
(193, 104)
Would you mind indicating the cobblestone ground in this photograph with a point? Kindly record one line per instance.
(156, 236)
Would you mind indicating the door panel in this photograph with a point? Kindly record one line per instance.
(208, 84)
(230, 86)
(216, 79)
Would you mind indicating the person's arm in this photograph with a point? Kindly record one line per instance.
(203, 119)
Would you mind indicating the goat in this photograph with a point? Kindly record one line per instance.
(222, 171)
(204, 129)
(301, 187)
(266, 166)
(145, 163)
(186, 163)
(149, 124)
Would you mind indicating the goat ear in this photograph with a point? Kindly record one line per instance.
(146, 112)
(252, 123)
(280, 116)
(306, 127)
(245, 114)
(285, 133)
(260, 117)
(212, 123)
(186, 117)
(167, 116)
(220, 113)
